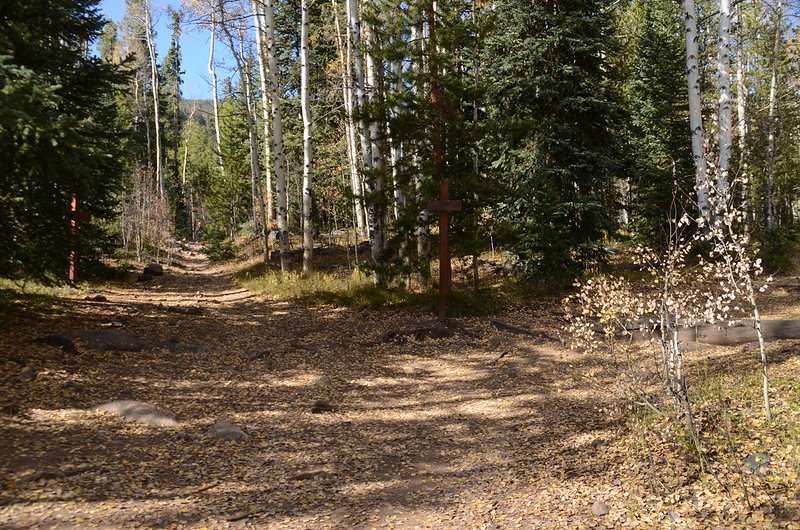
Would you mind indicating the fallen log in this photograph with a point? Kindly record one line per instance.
(741, 332)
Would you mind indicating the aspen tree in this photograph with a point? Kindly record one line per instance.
(308, 229)
(154, 84)
(695, 111)
(277, 135)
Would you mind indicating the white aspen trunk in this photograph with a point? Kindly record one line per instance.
(695, 111)
(396, 151)
(375, 183)
(262, 71)
(254, 168)
(305, 104)
(257, 197)
(423, 240)
(215, 89)
(148, 30)
(277, 136)
(769, 192)
(347, 96)
(365, 135)
(741, 111)
(725, 108)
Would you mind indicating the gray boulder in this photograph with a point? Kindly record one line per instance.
(223, 430)
(153, 269)
(140, 411)
(599, 508)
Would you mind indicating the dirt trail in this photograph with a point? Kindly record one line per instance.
(481, 430)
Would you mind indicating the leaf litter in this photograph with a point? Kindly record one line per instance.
(499, 426)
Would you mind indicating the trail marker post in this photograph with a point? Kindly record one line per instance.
(444, 206)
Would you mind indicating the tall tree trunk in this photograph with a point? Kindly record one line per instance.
(242, 64)
(395, 149)
(277, 135)
(212, 70)
(262, 71)
(769, 192)
(347, 95)
(365, 135)
(305, 104)
(375, 181)
(423, 240)
(154, 83)
(725, 109)
(741, 111)
(695, 111)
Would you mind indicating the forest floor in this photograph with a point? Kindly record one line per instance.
(356, 419)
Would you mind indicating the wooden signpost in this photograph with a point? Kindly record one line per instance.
(76, 217)
(444, 206)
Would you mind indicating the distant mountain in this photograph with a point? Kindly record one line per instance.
(201, 109)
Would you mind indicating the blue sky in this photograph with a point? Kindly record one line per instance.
(194, 46)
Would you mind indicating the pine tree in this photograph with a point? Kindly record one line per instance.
(556, 128)
(170, 86)
(662, 156)
(59, 135)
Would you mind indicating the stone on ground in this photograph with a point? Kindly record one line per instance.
(140, 411)
(223, 430)
(110, 340)
(153, 269)
(757, 462)
(321, 406)
(599, 508)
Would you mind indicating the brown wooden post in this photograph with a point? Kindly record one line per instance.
(444, 206)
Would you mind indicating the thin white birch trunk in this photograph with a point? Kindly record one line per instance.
(215, 90)
(305, 104)
(741, 111)
(365, 134)
(257, 197)
(375, 183)
(347, 96)
(148, 29)
(695, 111)
(262, 71)
(277, 135)
(423, 240)
(396, 151)
(769, 192)
(725, 108)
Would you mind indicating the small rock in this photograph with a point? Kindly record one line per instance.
(140, 411)
(599, 508)
(59, 341)
(153, 269)
(757, 462)
(109, 339)
(311, 474)
(186, 310)
(10, 409)
(324, 381)
(674, 516)
(26, 375)
(96, 298)
(223, 430)
(321, 406)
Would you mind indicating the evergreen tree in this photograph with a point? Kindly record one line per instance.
(228, 199)
(554, 110)
(170, 72)
(59, 137)
(663, 166)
